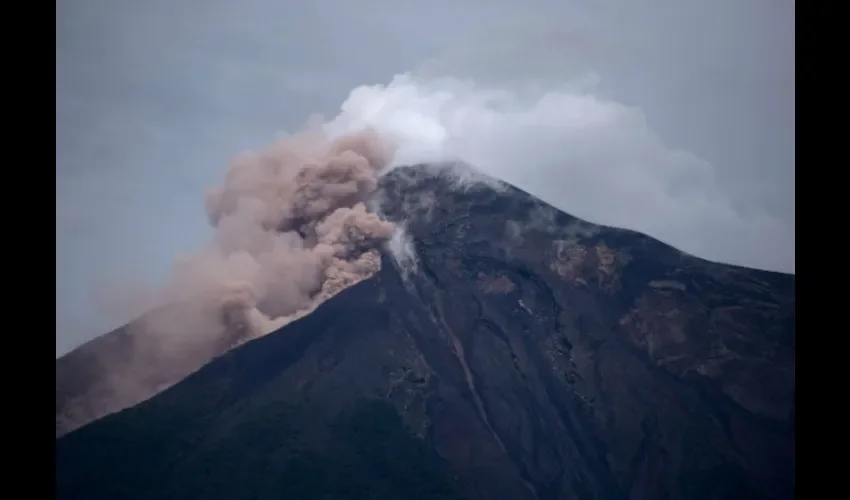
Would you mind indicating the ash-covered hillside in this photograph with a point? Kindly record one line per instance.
(503, 350)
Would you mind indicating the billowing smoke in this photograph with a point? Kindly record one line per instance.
(587, 154)
(292, 228)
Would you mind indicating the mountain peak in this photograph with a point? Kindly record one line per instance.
(530, 354)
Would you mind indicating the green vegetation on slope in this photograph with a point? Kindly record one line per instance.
(278, 452)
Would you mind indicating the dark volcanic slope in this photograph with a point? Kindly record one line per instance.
(532, 355)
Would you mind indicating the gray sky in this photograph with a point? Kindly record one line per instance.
(674, 117)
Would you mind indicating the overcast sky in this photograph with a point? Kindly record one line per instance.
(673, 117)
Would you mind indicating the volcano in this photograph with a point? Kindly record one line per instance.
(505, 350)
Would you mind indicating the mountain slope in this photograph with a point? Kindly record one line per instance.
(527, 353)
(122, 368)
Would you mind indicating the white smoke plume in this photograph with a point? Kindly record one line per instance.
(403, 251)
(594, 158)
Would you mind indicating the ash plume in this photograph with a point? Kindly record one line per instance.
(292, 229)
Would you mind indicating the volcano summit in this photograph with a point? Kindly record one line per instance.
(503, 350)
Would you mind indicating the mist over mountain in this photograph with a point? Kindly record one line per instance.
(503, 349)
